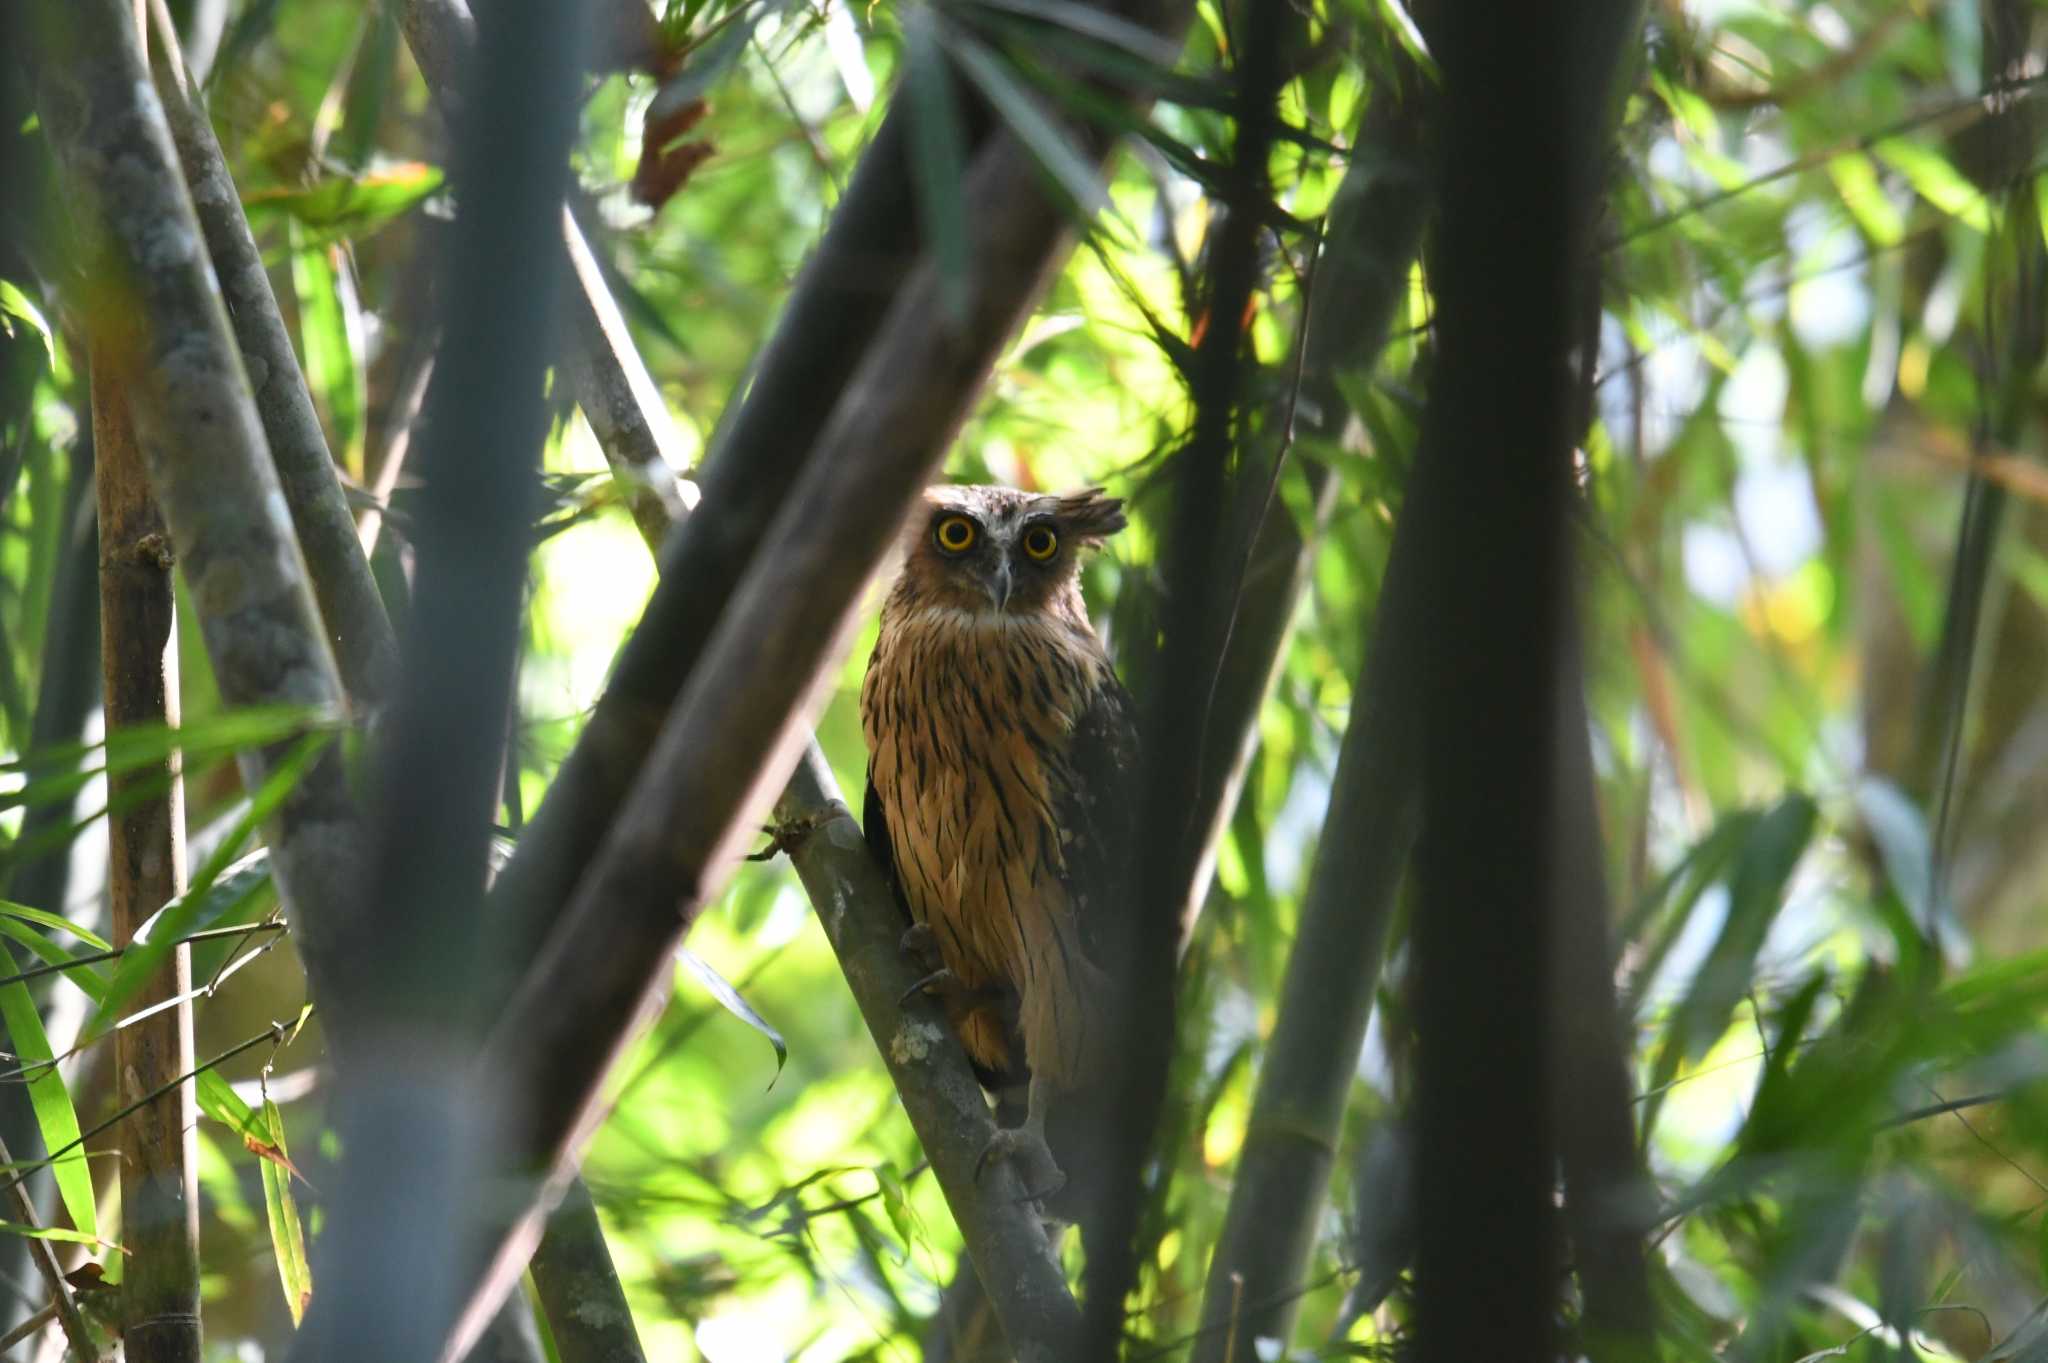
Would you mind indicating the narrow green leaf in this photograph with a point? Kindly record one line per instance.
(54, 923)
(90, 979)
(348, 206)
(136, 745)
(15, 303)
(1021, 110)
(938, 157)
(287, 1234)
(51, 1101)
(729, 998)
(331, 340)
(221, 887)
(69, 1237)
(218, 1100)
(1756, 891)
(895, 1202)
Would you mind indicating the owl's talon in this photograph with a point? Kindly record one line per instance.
(937, 982)
(786, 837)
(1037, 1172)
(919, 942)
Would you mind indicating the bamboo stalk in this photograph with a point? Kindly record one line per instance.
(146, 836)
(1139, 949)
(357, 629)
(612, 386)
(150, 302)
(63, 1307)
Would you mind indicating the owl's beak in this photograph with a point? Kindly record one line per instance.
(997, 584)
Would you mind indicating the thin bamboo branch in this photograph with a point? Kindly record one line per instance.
(357, 629)
(1140, 950)
(62, 1306)
(146, 836)
(1332, 975)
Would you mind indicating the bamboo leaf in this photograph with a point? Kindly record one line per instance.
(351, 206)
(58, 1233)
(54, 923)
(331, 341)
(937, 157)
(1021, 110)
(48, 1096)
(729, 998)
(15, 303)
(88, 978)
(287, 1233)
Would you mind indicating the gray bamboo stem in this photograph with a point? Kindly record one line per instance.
(612, 386)
(357, 629)
(148, 296)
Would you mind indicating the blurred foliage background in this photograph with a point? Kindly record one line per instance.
(1813, 553)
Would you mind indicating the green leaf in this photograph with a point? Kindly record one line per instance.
(895, 1202)
(138, 745)
(69, 1237)
(349, 206)
(287, 1233)
(15, 303)
(1021, 110)
(56, 1119)
(331, 340)
(53, 922)
(1937, 180)
(938, 157)
(218, 1100)
(90, 979)
(1756, 891)
(730, 999)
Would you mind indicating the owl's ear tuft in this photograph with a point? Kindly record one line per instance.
(1092, 515)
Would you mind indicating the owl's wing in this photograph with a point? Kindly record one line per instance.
(874, 826)
(1098, 812)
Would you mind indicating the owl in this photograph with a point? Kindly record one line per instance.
(1001, 775)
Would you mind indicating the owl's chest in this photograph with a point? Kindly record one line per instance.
(969, 746)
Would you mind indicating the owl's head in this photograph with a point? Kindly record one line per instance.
(998, 548)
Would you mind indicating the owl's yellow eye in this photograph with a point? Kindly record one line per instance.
(955, 534)
(1041, 543)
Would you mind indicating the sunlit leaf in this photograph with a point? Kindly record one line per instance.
(281, 1209)
(50, 1098)
(351, 206)
(729, 999)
